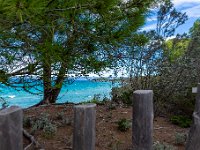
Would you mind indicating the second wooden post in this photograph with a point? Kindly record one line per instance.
(142, 125)
(84, 127)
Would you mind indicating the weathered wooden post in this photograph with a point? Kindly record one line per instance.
(142, 125)
(11, 126)
(84, 127)
(193, 141)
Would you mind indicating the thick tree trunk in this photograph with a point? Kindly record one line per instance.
(51, 92)
(51, 95)
(47, 81)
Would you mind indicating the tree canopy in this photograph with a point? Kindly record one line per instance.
(47, 39)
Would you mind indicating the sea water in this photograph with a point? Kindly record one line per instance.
(79, 91)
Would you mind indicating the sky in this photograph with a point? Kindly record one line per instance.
(192, 9)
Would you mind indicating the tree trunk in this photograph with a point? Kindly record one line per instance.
(51, 95)
(51, 92)
(47, 81)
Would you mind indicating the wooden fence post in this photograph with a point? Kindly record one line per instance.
(193, 141)
(142, 125)
(84, 127)
(11, 126)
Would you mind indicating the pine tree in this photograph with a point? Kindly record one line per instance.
(50, 38)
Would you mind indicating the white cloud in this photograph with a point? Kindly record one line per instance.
(180, 2)
(169, 38)
(149, 27)
(191, 7)
(193, 11)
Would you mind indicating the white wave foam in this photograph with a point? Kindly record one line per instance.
(11, 96)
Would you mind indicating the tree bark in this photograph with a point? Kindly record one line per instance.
(47, 81)
(51, 92)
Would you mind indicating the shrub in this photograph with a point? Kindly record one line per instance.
(181, 121)
(45, 124)
(122, 95)
(40, 122)
(96, 100)
(180, 138)
(185, 103)
(162, 146)
(123, 125)
(49, 130)
(177, 102)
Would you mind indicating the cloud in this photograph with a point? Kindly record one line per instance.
(171, 37)
(192, 11)
(149, 27)
(150, 19)
(191, 7)
(184, 2)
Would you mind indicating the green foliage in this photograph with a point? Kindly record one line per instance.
(180, 138)
(42, 123)
(115, 145)
(20, 10)
(49, 130)
(162, 146)
(195, 28)
(57, 37)
(122, 95)
(96, 100)
(123, 125)
(185, 104)
(140, 39)
(176, 48)
(63, 118)
(153, 64)
(181, 121)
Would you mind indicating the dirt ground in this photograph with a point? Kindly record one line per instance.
(108, 137)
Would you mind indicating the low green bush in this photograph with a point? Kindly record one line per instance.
(97, 99)
(180, 138)
(162, 146)
(122, 95)
(45, 124)
(181, 121)
(123, 125)
(49, 130)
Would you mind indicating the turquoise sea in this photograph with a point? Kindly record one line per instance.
(80, 90)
